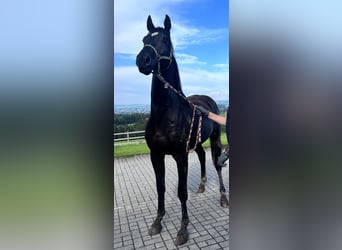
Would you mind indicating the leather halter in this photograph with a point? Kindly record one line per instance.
(159, 57)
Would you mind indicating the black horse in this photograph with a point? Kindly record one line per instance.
(174, 125)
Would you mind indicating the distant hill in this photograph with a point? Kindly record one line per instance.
(223, 102)
(132, 108)
(145, 108)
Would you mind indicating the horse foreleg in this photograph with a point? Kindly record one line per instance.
(182, 166)
(201, 156)
(159, 170)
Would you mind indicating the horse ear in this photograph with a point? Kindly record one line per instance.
(167, 23)
(150, 25)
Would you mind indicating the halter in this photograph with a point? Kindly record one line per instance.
(159, 57)
(168, 85)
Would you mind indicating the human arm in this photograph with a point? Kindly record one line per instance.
(212, 116)
(217, 118)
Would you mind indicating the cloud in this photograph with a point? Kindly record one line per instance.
(130, 25)
(130, 86)
(188, 59)
(201, 81)
(130, 17)
(130, 22)
(221, 66)
(184, 36)
(126, 56)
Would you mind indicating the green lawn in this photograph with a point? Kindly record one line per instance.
(125, 150)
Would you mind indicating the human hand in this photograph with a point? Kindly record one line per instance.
(202, 111)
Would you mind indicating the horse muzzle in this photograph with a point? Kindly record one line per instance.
(145, 63)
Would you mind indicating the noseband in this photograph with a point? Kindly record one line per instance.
(159, 57)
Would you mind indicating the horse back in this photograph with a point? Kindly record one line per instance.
(204, 101)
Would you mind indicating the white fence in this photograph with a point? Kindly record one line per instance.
(129, 136)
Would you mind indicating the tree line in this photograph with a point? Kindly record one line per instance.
(137, 121)
(130, 122)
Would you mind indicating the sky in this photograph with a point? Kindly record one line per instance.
(200, 36)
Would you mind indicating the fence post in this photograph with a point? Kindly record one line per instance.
(127, 136)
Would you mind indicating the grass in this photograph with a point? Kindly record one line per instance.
(140, 147)
(125, 150)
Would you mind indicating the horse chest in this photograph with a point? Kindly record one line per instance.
(164, 135)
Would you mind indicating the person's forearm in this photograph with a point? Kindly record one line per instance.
(217, 118)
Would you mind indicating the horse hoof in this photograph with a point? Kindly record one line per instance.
(224, 201)
(182, 237)
(200, 189)
(155, 229)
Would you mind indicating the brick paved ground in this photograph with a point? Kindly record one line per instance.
(135, 206)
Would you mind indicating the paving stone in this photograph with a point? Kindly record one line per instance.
(159, 245)
(150, 247)
(195, 234)
(121, 235)
(183, 247)
(135, 206)
(211, 242)
(202, 244)
(138, 243)
(212, 247)
(169, 244)
(128, 242)
(193, 247)
(135, 234)
(219, 239)
(224, 244)
(117, 245)
(130, 247)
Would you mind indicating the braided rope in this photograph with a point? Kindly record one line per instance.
(198, 136)
(189, 137)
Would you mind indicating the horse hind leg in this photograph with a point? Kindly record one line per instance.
(215, 153)
(223, 200)
(201, 156)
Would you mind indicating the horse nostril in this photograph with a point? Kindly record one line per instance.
(148, 61)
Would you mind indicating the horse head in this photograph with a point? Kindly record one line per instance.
(157, 53)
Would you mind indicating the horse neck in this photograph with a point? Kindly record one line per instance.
(161, 95)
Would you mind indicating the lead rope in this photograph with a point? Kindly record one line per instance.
(198, 136)
(167, 85)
